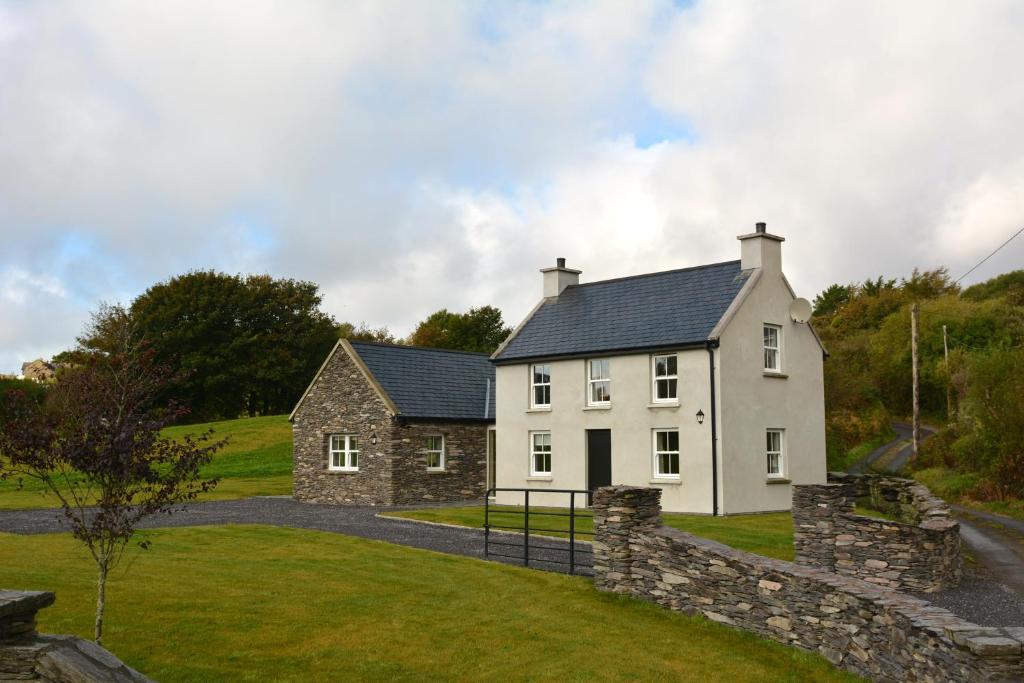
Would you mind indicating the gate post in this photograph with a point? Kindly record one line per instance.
(618, 512)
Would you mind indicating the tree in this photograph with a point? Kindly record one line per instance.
(366, 333)
(831, 299)
(95, 444)
(480, 329)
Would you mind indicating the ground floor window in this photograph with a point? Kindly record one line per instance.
(435, 452)
(344, 453)
(540, 453)
(774, 452)
(666, 453)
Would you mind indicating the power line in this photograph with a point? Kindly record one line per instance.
(989, 256)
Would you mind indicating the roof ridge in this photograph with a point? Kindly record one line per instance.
(412, 347)
(660, 272)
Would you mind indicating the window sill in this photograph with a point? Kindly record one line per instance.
(329, 471)
(539, 410)
(778, 480)
(436, 471)
(664, 482)
(666, 404)
(775, 374)
(604, 407)
(539, 477)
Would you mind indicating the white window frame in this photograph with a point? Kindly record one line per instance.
(534, 385)
(440, 453)
(772, 351)
(348, 453)
(592, 381)
(534, 452)
(655, 378)
(658, 474)
(780, 454)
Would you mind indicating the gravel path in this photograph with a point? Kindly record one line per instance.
(364, 522)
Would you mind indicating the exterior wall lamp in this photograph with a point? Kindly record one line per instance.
(700, 417)
(373, 439)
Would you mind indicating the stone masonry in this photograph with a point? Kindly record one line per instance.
(870, 629)
(920, 554)
(343, 401)
(27, 656)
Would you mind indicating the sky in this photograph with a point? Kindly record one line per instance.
(410, 156)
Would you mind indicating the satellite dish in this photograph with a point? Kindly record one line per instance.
(800, 310)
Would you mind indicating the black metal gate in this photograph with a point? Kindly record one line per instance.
(539, 544)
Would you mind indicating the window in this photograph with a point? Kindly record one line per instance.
(665, 378)
(774, 452)
(599, 382)
(666, 453)
(344, 453)
(435, 452)
(540, 455)
(772, 348)
(541, 385)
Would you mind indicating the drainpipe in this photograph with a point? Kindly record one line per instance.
(711, 346)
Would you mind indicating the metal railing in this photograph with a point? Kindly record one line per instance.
(546, 550)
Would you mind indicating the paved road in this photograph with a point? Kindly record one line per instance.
(893, 456)
(364, 522)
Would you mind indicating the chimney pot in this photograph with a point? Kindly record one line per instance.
(560, 262)
(760, 227)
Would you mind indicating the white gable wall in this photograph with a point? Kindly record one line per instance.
(752, 402)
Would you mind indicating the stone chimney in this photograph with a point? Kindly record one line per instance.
(558, 278)
(761, 249)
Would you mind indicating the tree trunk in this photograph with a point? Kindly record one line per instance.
(101, 600)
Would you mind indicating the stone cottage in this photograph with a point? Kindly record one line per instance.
(383, 424)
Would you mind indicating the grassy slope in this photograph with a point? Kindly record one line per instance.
(256, 462)
(953, 486)
(768, 534)
(264, 603)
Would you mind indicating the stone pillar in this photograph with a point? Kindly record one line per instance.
(618, 512)
(815, 509)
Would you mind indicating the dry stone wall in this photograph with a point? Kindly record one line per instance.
(864, 627)
(28, 656)
(921, 554)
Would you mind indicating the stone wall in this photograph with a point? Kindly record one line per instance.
(920, 554)
(864, 627)
(27, 656)
(342, 401)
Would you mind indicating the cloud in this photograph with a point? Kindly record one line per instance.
(412, 156)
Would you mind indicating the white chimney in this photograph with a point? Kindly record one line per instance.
(761, 249)
(558, 278)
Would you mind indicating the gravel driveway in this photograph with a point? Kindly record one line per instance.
(363, 522)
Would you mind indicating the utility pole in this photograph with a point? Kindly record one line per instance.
(914, 312)
(949, 379)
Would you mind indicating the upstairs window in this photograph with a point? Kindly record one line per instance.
(665, 378)
(435, 452)
(540, 453)
(774, 453)
(540, 383)
(772, 348)
(344, 455)
(599, 382)
(666, 453)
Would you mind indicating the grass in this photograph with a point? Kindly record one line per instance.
(765, 534)
(256, 462)
(845, 461)
(955, 486)
(258, 603)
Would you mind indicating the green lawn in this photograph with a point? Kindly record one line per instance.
(259, 603)
(766, 534)
(256, 462)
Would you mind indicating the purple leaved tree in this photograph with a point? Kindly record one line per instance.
(96, 444)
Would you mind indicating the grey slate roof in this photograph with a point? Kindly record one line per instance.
(657, 310)
(432, 383)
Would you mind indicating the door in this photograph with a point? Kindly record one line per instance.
(599, 458)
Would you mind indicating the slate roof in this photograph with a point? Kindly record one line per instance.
(657, 310)
(432, 383)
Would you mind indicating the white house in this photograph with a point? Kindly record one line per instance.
(705, 382)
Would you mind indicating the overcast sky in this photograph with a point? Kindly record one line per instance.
(415, 155)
